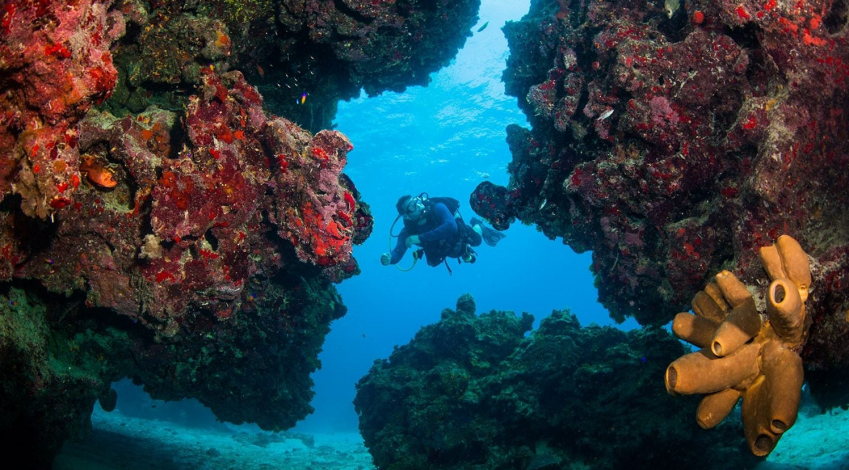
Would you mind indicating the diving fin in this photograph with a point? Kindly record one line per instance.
(490, 236)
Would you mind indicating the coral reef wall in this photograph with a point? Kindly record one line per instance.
(156, 222)
(476, 392)
(673, 139)
(322, 50)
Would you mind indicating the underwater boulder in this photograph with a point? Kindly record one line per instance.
(477, 392)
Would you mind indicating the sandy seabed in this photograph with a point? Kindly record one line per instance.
(118, 442)
(817, 442)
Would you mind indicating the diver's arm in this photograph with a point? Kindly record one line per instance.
(400, 247)
(447, 227)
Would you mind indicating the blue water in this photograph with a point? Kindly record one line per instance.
(442, 139)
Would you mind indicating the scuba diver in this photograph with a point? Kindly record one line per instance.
(435, 225)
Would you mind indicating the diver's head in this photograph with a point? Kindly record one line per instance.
(411, 208)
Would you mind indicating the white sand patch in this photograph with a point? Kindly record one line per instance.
(120, 442)
(819, 442)
(117, 442)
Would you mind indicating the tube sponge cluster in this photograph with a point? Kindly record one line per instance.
(744, 357)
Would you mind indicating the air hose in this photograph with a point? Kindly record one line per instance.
(391, 236)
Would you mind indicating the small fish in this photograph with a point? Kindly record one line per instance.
(544, 202)
(97, 173)
(671, 6)
(605, 115)
(303, 98)
(260, 71)
(483, 27)
(102, 177)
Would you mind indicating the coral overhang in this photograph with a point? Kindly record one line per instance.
(674, 147)
(179, 234)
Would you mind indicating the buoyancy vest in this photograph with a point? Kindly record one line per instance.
(437, 250)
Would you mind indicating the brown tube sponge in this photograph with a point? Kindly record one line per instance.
(796, 263)
(785, 310)
(783, 373)
(715, 407)
(745, 358)
(713, 290)
(771, 259)
(760, 438)
(704, 305)
(694, 329)
(702, 372)
(741, 325)
(787, 260)
(734, 291)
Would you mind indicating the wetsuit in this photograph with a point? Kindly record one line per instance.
(441, 236)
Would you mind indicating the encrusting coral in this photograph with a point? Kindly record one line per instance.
(743, 357)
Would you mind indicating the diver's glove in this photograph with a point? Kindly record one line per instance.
(385, 259)
(412, 240)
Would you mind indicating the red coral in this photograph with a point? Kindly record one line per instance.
(46, 83)
(320, 229)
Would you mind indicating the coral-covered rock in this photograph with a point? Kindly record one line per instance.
(54, 64)
(179, 235)
(304, 56)
(674, 145)
(171, 264)
(321, 221)
(202, 197)
(45, 398)
(476, 392)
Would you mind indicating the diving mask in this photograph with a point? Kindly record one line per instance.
(414, 209)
